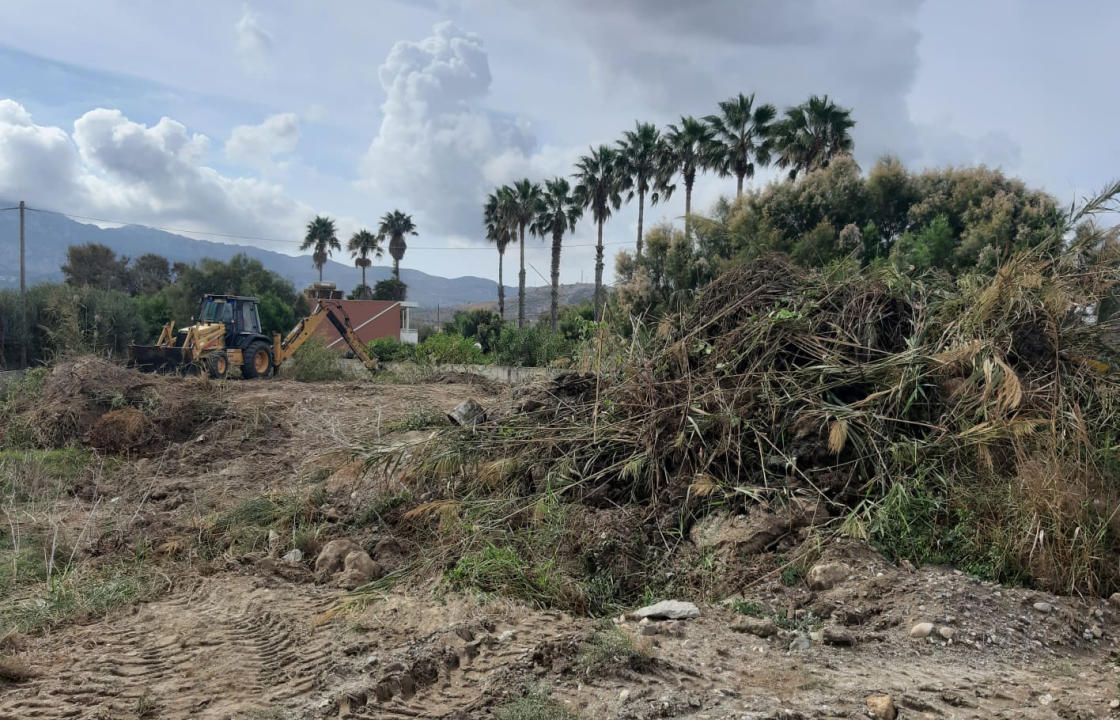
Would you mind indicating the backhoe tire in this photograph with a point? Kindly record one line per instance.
(258, 360)
(217, 364)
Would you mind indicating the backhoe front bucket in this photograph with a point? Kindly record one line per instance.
(154, 358)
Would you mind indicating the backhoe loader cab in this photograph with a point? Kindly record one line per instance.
(228, 333)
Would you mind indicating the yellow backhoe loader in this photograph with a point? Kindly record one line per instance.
(228, 333)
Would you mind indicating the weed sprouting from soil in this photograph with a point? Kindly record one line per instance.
(536, 704)
(610, 650)
(421, 418)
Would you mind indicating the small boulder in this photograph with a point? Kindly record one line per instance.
(332, 557)
(360, 562)
(946, 633)
(825, 576)
(668, 610)
(762, 627)
(800, 643)
(833, 635)
(881, 707)
(921, 631)
(1043, 607)
(1114, 599)
(293, 556)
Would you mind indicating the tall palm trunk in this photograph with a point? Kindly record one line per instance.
(396, 269)
(501, 290)
(739, 185)
(521, 282)
(599, 275)
(364, 286)
(554, 309)
(641, 216)
(320, 274)
(688, 210)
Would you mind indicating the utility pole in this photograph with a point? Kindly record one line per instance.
(22, 292)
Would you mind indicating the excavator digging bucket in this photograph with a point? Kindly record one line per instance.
(155, 358)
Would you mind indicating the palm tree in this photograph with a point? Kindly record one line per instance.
(499, 230)
(692, 146)
(600, 190)
(812, 134)
(361, 246)
(526, 199)
(558, 214)
(646, 167)
(321, 240)
(743, 132)
(395, 225)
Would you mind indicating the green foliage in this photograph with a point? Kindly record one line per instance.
(449, 349)
(315, 362)
(611, 649)
(536, 704)
(390, 349)
(503, 569)
(421, 418)
(25, 473)
(390, 289)
(533, 346)
(77, 592)
(65, 319)
(481, 325)
(95, 265)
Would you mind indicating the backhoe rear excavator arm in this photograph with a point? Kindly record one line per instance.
(284, 348)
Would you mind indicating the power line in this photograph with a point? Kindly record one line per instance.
(11, 208)
(257, 238)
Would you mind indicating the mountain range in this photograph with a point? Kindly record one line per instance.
(49, 234)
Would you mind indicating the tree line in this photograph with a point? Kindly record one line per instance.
(647, 162)
(321, 238)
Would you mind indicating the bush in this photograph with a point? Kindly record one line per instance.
(390, 289)
(315, 362)
(481, 325)
(447, 348)
(535, 346)
(390, 349)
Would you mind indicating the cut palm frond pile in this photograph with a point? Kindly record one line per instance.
(969, 421)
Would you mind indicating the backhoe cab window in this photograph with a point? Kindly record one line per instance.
(216, 311)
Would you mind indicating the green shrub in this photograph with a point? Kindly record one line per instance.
(390, 349)
(535, 346)
(534, 705)
(445, 348)
(504, 570)
(315, 362)
(482, 326)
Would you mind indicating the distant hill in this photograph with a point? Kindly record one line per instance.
(48, 236)
(537, 302)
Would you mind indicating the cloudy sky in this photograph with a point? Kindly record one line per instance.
(248, 119)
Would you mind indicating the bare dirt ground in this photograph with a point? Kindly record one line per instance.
(252, 636)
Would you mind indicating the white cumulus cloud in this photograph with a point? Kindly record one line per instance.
(118, 169)
(258, 145)
(438, 150)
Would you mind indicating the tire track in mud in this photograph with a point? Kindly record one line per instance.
(223, 649)
(454, 672)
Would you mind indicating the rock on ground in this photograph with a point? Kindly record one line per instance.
(825, 576)
(669, 610)
(762, 627)
(881, 707)
(332, 557)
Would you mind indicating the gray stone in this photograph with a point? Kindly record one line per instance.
(825, 576)
(1043, 607)
(800, 643)
(946, 633)
(921, 630)
(669, 610)
(1114, 599)
(293, 556)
